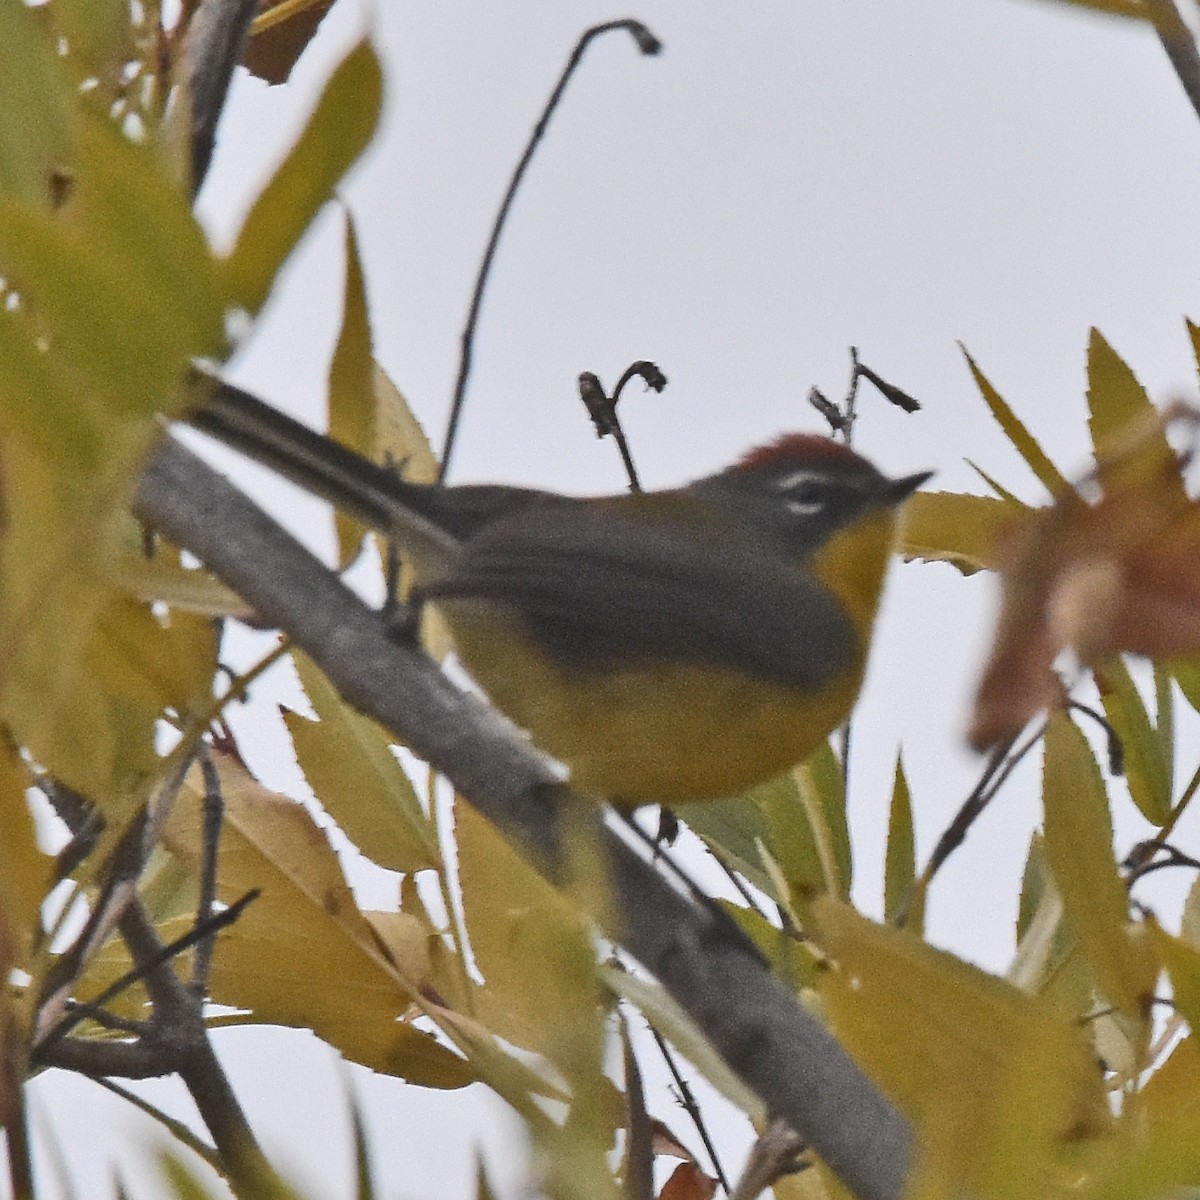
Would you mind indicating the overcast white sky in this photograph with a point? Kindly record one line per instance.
(788, 178)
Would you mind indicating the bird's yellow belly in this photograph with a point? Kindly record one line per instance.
(655, 734)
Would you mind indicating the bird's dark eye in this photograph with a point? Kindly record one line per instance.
(804, 493)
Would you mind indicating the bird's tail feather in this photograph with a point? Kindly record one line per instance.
(352, 483)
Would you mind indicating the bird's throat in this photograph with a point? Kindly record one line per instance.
(852, 565)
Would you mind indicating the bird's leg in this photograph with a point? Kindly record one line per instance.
(403, 620)
(722, 921)
(668, 828)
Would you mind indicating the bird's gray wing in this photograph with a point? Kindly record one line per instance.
(601, 591)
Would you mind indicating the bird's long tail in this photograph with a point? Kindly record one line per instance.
(354, 484)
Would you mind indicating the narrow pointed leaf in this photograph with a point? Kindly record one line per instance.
(824, 798)
(351, 385)
(900, 864)
(351, 767)
(336, 134)
(1123, 422)
(960, 529)
(1147, 770)
(34, 106)
(1183, 966)
(1023, 441)
(1078, 845)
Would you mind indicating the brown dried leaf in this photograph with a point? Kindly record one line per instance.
(1121, 575)
(274, 47)
(688, 1182)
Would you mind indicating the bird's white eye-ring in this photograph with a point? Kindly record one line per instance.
(803, 493)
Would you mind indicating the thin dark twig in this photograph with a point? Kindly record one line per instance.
(164, 954)
(109, 1020)
(1167, 856)
(731, 928)
(739, 884)
(1113, 743)
(653, 378)
(898, 396)
(213, 815)
(1176, 39)
(850, 406)
(648, 44)
(637, 1181)
(687, 1099)
(602, 408)
(182, 1038)
(1000, 765)
(177, 1129)
(841, 417)
(1143, 853)
(603, 411)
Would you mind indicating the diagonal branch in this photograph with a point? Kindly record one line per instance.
(1177, 40)
(781, 1051)
(214, 46)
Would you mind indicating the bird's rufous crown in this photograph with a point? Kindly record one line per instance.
(797, 447)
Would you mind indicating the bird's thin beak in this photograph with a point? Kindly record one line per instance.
(899, 490)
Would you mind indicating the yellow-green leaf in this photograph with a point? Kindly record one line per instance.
(338, 131)
(34, 106)
(900, 863)
(350, 765)
(1119, 409)
(791, 958)
(1183, 966)
(1147, 1164)
(1023, 441)
(1189, 921)
(950, 1043)
(1186, 673)
(121, 280)
(400, 437)
(156, 663)
(533, 948)
(785, 831)
(351, 386)
(734, 828)
(824, 799)
(182, 589)
(957, 528)
(535, 952)
(26, 874)
(303, 954)
(1079, 852)
(1147, 770)
(665, 1014)
(1174, 1088)
(99, 36)
(401, 441)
